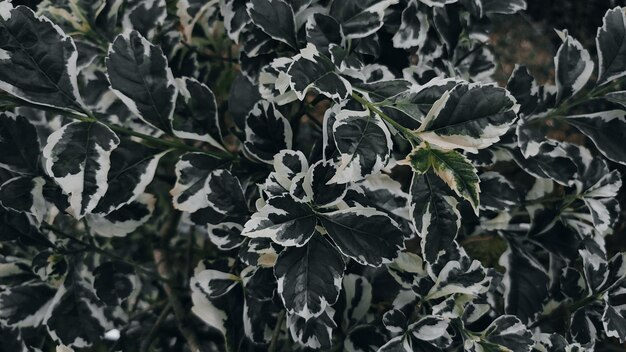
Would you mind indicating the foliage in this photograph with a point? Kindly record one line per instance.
(282, 175)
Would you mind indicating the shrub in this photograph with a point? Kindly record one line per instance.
(280, 175)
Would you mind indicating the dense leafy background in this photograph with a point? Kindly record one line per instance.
(343, 178)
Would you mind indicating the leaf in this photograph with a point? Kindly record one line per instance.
(226, 236)
(523, 87)
(318, 186)
(216, 300)
(356, 297)
(267, 132)
(463, 276)
(498, 194)
(259, 252)
(24, 194)
(469, 117)
(435, 217)
(38, 60)
(140, 77)
(19, 144)
(193, 170)
(124, 220)
(145, 17)
(312, 69)
(606, 130)
(133, 166)
(364, 145)
(611, 44)
(276, 18)
(413, 29)
(193, 12)
(23, 306)
(78, 158)
(214, 283)
(360, 19)
(323, 30)
(76, 317)
(309, 277)
(284, 220)
(432, 329)
(18, 227)
(366, 235)
(235, 17)
(225, 193)
(525, 283)
(452, 167)
(573, 66)
(313, 333)
(196, 113)
(114, 282)
(614, 316)
(510, 333)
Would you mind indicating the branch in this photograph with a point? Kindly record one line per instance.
(168, 231)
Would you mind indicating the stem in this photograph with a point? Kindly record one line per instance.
(147, 342)
(160, 259)
(572, 103)
(276, 332)
(87, 116)
(569, 308)
(370, 106)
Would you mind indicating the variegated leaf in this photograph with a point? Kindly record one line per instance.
(612, 46)
(525, 283)
(305, 286)
(114, 282)
(195, 12)
(318, 186)
(78, 158)
(368, 236)
(193, 171)
(267, 132)
(284, 220)
(452, 167)
(312, 69)
(19, 144)
(76, 316)
(464, 276)
(26, 305)
(313, 333)
(360, 19)
(606, 130)
(573, 67)
(469, 117)
(196, 113)
(38, 59)
(145, 17)
(235, 17)
(364, 145)
(24, 194)
(133, 166)
(124, 220)
(140, 77)
(276, 18)
(413, 29)
(435, 216)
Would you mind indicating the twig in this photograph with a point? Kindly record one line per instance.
(147, 342)
(167, 231)
(276, 332)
